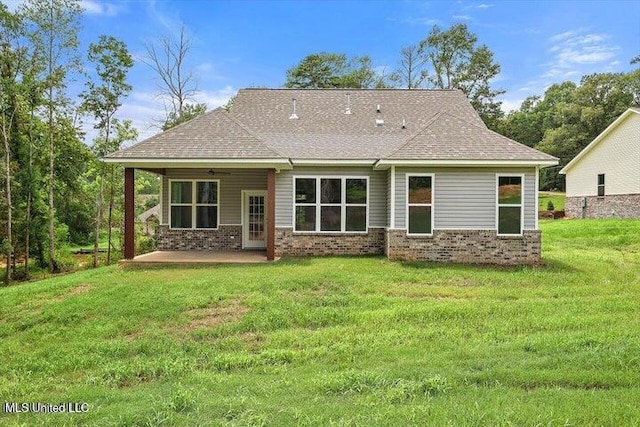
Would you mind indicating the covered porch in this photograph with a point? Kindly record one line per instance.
(212, 235)
(199, 257)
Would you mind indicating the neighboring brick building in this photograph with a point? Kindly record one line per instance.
(410, 174)
(603, 180)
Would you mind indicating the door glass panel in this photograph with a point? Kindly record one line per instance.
(256, 218)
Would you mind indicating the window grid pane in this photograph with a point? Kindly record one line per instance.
(330, 204)
(510, 190)
(194, 204)
(420, 189)
(420, 220)
(509, 220)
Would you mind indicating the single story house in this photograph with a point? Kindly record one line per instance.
(413, 174)
(603, 180)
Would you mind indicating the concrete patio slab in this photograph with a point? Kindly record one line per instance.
(199, 257)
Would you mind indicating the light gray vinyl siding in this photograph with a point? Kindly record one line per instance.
(231, 187)
(377, 191)
(465, 198)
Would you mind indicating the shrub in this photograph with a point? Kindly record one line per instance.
(145, 244)
(550, 206)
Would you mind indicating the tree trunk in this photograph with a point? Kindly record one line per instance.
(27, 238)
(52, 242)
(110, 219)
(96, 241)
(9, 245)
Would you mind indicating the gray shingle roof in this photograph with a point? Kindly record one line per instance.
(215, 135)
(447, 137)
(438, 124)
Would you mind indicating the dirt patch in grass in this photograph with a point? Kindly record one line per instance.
(415, 291)
(78, 290)
(210, 317)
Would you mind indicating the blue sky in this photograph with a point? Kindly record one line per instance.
(238, 44)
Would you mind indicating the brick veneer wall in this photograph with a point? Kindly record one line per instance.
(466, 246)
(609, 206)
(296, 244)
(225, 238)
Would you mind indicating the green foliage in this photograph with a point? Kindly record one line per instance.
(189, 111)
(550, 206)
(333, 70)
(569, 116)
(338, 341)
(457, 62)
(145, 244)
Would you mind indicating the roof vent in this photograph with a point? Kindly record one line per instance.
(378, 108)
(348, 110)
(293, 115)
(379, 123)
(404, 124)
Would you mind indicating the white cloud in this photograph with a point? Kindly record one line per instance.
(96, 7)
(13, 5)
(484, 6)
(575, 53)
(462, 17)
(509, 105)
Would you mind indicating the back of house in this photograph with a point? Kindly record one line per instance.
(413, 174)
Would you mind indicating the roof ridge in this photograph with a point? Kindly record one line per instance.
(250, 132)
(415, 135)
(467, 122)
(336, 89)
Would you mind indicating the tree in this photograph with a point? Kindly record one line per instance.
(458, 63)
(11, 61)
(189, 111)
(53, 30)
(333, 70)
(177, 84)
(411, 72)
(102, 99)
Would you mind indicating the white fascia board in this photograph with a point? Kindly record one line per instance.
(385, 164)
(597, 140)
(201, 163)
(333, 162)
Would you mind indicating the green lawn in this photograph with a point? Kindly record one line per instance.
(556, 198)
(338, 341)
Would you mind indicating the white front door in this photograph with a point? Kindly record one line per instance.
(254, 220)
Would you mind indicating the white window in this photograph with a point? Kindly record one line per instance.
(420, 204)
(600, 185)
(193, 204)
(331, 204)
(509, 206)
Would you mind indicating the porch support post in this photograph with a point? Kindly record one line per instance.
(271, 214)
(129, 212)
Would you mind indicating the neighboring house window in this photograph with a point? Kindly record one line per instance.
(194, 204)
(331, 204)
(420, 204)
(509, 205)
(601, 185)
